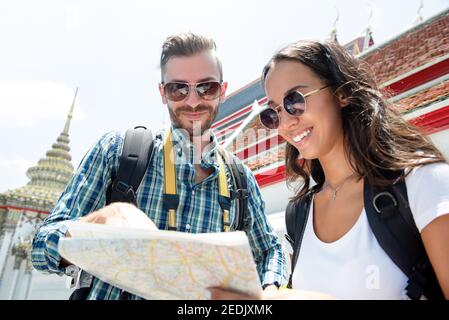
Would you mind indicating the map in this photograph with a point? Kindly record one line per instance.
(157, 264)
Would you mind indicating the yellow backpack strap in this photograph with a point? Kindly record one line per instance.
(171, 198)
(224, 196)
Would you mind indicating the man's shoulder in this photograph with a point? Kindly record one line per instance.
(109, 141)
(111, 137)
(116, 137)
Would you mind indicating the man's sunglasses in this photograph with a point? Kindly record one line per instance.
(294, 103)
(178, 91)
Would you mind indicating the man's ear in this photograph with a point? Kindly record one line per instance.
(224, 86)
(161, 91)
(342, 99)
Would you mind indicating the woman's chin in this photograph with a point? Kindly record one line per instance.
(307, 154)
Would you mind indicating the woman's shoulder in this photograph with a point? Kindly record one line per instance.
(437, 171)
(428, 192)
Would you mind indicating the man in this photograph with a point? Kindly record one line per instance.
(192, 87)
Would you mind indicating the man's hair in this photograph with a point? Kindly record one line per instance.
(187, 45)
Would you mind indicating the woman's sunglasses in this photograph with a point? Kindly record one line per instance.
(178, 91)
(294, 103)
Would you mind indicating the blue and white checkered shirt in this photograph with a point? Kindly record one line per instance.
(199, 210)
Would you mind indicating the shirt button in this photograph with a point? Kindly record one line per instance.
(188, 226)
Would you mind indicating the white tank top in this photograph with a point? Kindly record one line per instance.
(355, 266)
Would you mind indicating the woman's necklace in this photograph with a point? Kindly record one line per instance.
(335, 190)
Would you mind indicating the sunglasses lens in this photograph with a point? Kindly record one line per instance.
(269, 118)
(176, 91)
(294, 103)
(209, 90)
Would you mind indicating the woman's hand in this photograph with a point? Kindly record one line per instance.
(281, 294)
(217, 293)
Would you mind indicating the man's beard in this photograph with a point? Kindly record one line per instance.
(194, 128)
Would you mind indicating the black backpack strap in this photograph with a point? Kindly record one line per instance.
(80, 294)
(133, 162)
(240, 191)
(296, 216)
(241, 194)
(393, 225)
(136, 152)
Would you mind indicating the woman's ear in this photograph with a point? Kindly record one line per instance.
(342, 99)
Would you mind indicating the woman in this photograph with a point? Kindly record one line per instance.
(340, 132)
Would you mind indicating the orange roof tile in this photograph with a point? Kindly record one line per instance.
(424, 97)
(417, 47)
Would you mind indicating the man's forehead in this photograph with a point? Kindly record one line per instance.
(193, 68)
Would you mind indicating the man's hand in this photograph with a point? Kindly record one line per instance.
(120, 214)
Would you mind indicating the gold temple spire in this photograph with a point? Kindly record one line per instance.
(420, 18)
(368, 41)
(70, 115)
(333, 34)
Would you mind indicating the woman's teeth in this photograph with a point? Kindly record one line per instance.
(298, 138)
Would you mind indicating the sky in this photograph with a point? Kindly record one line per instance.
(110, 50)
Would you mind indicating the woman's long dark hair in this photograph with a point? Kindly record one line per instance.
(376, 137)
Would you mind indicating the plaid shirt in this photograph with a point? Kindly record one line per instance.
(198, 211)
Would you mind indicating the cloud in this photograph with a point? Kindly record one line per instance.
(26, 103)
(13, 172)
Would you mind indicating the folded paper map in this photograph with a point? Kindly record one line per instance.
(156, 264)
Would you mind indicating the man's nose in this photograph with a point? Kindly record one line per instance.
(192, 99)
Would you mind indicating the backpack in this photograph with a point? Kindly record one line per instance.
(391, 220)
(133, 162)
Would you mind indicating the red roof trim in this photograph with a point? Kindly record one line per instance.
(271, 176)
(264, 145)
(418, 78)
(232, 116)
(23, 208)
(433, 121)
(228, 129)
